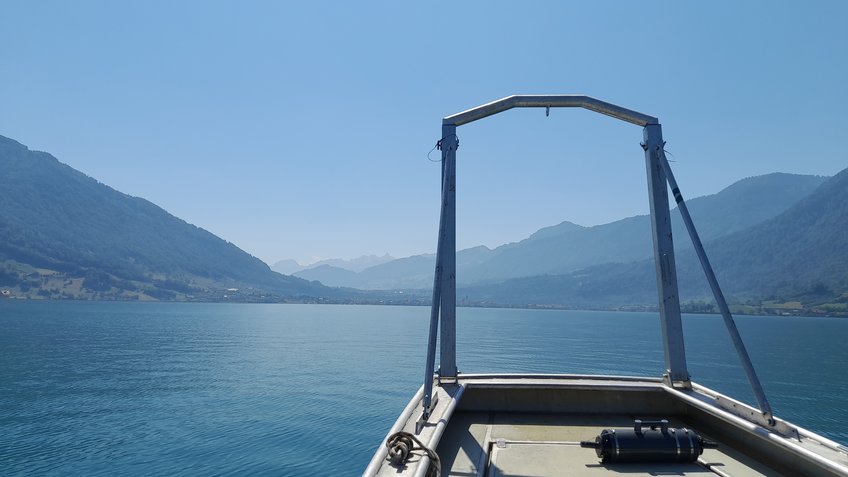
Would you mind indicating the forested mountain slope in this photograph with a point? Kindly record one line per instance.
(802, 249)
(799, 255)
(63, 233)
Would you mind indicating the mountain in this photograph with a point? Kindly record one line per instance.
(802, 249)
(798, 255)
(598, 287)
(741, 205)
(291, 267)
(403, 273)
(567, 247)
(64, 234)
(555, 230)
(355, 264)
(415, 272)
(287, 267)
(329, 274)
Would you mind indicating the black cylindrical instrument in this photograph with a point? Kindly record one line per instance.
(648, 441)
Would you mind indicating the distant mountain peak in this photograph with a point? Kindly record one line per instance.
(287, 267)
(553, 230)
(478, 248)
(358, 264)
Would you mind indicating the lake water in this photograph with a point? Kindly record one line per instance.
(201, 389)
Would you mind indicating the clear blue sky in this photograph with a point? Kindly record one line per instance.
(300, 130)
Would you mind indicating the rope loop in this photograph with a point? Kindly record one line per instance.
(402, 443)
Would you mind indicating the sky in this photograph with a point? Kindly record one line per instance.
(302, 129)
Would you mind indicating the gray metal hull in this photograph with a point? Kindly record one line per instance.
(531, 425)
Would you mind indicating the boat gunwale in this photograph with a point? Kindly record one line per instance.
(544, 376)
(694, 397)
(403, 418)
(407, 416)
(700, 388)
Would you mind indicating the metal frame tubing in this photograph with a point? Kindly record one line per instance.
(669, 301)
(549, 101)
(447, 255)
(429, 369)
(443, 308)
(765, 408)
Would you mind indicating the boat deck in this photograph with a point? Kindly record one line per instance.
(539, 445)
(532, 425)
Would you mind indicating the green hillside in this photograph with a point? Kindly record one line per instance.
(63, 234)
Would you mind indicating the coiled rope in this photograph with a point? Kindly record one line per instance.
(402, 443)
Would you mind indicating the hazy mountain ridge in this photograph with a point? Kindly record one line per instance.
(358, 264)
(64, 234)
(738, 206)
(801, 249)
(566, 247)
(555, 230)
(797, 256)
(287, 267)
(329, 274)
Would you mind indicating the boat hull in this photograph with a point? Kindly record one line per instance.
(531, 425)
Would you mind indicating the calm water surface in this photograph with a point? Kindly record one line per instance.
(203, 389)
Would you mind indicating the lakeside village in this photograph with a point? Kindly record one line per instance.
(407, 298)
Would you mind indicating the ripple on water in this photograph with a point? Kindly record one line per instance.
(192, 389)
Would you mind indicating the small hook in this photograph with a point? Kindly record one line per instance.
(547, 111)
